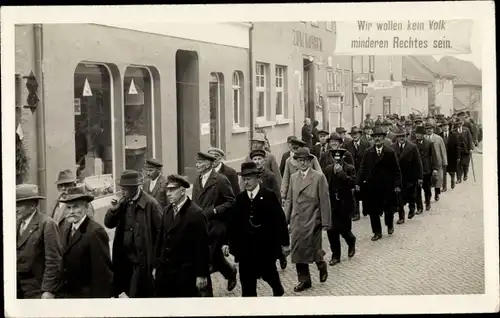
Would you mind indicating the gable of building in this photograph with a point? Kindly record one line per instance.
(431, 65)
(466, 72)
(414, 72)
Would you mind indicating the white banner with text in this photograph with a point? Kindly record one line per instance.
(422, 37)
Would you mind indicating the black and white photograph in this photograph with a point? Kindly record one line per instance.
(262, 159)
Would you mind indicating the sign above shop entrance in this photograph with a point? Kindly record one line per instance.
(308, 41)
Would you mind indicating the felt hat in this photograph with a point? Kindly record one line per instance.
(400, 132)
(418, 119)
(130, 178)
(334, 136)
(429, 126)
(77, 193)
(218, 151)
(386, 122)
(355, 130)
(340, 130)
(302, 152)
(290, 138)
(176, 181)
(27, 191)
(152, 162)
(378, 131)
(248, 169)
(323, 132)
(420, 130)
(257, 152)
(298, 142)
(205, 156)
(65, 176)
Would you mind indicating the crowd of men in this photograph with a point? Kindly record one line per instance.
(167, 244)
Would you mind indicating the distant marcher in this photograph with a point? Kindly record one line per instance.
(343, 135)
(286, 155)
(334, 142)
(441, 159)
(155, 182)
(220, 167)
(314, 131)
(307, 135)
(465, 147)
(430, 166)
(322, 146)
(258, 142)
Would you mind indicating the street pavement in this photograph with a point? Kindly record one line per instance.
(438, 252)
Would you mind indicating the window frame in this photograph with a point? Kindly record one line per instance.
(329, 26)
(330, 85)
(371, 64)
(238, 88)
(220, 104)
(281, 89)
(346, 79)
(261, 89)
(337, 80)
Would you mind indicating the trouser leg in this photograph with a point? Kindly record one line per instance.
(221, 264)
(418, 198)
(271, 276)
(389, 218)
(445, 178)
(248, 280)
(303, 273)
(334, 239)
(427, 188)
(375, 222)
(349, 238)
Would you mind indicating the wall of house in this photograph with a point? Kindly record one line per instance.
(444, 95)
(415, 98)
(470, 96)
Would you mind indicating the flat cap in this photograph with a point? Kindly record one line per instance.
(290, 138)
(257, 152)
(219, 151)
(154, 162)
(340, 130)
(323, 132)
(176, 181)
(298, 142)
(205, 156)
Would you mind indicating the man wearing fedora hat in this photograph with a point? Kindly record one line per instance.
(292, 166)
(379, 183)
(220, 167)
(155, 182)
(136, 217)
(334, 142)
(39, 249)
(430, 166)
(441, 158)
(322, 146)
(286, 155)
(357, 148)
(307, 210)
(259, 142)
(411, 173)
(367, 133)
(257, 233)
(182, 247)
(341, 178)
(213, 193)
(452, 143)
(86, 263)
(65, 180)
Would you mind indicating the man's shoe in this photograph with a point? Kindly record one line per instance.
(444, 189)
(427, 206)
(283, 263)
(436, 197)
(401, 221)
(411, 214)
(465, 178)
(334, 261)
(302, 286)
(323, 274)
(376, 237)
(419, 211)
(351, 249)
(390, 230)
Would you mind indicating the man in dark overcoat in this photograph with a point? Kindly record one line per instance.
(39, 249)
(155, 182)
(367, 133)
(341, 178)
(466, 145)
(314, 131)
(286, 155)
(411, 173)
(220, 167)
(334, 142)
(430, 165)
(182, 247)
(307, 135)
(136, 216)
(257, 233)
(357, 147)
(343, 135)
(259, 142)
(451, 142)
(86, 263)
(379, 181)
(213, 193)
(322, 146)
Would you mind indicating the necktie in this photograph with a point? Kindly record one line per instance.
(21, 227)
(250, 194)
(73, 231)
(176, 209)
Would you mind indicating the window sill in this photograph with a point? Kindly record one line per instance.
(264, 123)
(283, 122)
(239, 130)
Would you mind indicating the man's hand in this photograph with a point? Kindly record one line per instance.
(420, 182)
(201, 282)
(225, 250)
(337, 168)
(154, 273)
(434, 172)
(48, 295)
(115, 203)
(285, 250)
(397, 189)
(357, 188)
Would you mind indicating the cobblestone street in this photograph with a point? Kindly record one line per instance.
(437, 252)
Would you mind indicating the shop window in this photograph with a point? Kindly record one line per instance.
(138, 117)
(280, 91)
(261, 89)
(338, 80)
(330, 82)
(93, 127)
(347, 88)
(238, 109)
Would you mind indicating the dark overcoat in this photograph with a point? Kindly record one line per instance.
(452, 144)
(159, 191)
(270, 163)
(257, 228)
(340, 186)
(269, 182)
(428, 156)
(317, 150)
(307, 136)
(86, 265)
(181, 251)
(39, 254)
(149, 212)
(357, 154)
(378, 177)
(327, 159)
(411, 169)
(285, 156)
(232, 176)
(217, 194)
(466, 144)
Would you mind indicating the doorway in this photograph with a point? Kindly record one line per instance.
(309, 89)
(216, 98)
(188, 111)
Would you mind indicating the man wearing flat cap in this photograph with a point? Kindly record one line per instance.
(220, 167)
(213, 193)
(39, 251)
(441, 158)
(357, 148)
(341, 178)
(86, 263)
(258, 142)
(411, 173)
(286, 155)
(292, 166)
(136, 216)
(379, 183)
(322, 146)
(182, 247)
(155, 182)
(307, 210)
(257, 233)
(367, 133)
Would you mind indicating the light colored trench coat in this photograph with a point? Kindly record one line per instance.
(291, 166)
(307, 209)
(441, 157)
